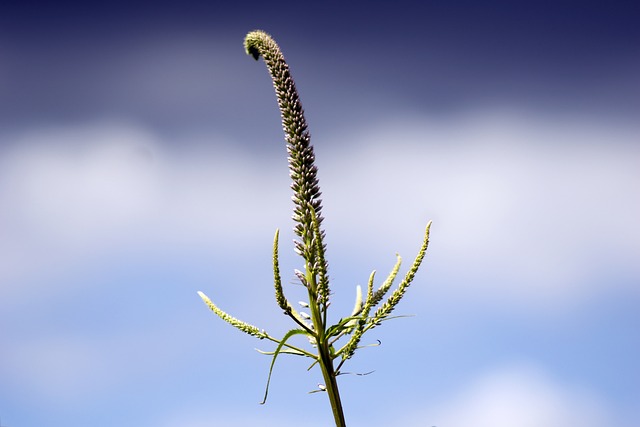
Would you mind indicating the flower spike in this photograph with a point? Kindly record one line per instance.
(239, 324)
(323, 338)
(302, 170)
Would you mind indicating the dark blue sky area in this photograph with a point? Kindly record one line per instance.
(591, 23)
(61, 60)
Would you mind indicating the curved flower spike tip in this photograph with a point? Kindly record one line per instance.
(302, 170)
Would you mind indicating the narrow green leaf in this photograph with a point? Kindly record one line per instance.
(284, 351)
(275, 355)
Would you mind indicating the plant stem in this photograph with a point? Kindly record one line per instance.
(324, 352)
(326, 365)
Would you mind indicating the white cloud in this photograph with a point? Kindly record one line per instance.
(528, 212)
(520, 396)
(74, 192)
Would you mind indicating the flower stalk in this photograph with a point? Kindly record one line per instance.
(309, 244)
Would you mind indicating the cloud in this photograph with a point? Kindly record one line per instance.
(74, 192)
(520, 395)
(528, 212)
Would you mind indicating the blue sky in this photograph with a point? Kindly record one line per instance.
(142, 160)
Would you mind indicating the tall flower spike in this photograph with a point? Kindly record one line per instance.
(303, 172)
(310, 245)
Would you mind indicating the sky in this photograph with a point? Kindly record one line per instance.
(142, 160)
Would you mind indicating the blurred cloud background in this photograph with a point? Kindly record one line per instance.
(142, 160)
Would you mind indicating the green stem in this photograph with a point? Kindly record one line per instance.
(326, 365)
(324, 353)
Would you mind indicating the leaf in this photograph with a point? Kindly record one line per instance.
(285, 351)
(275, 355)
